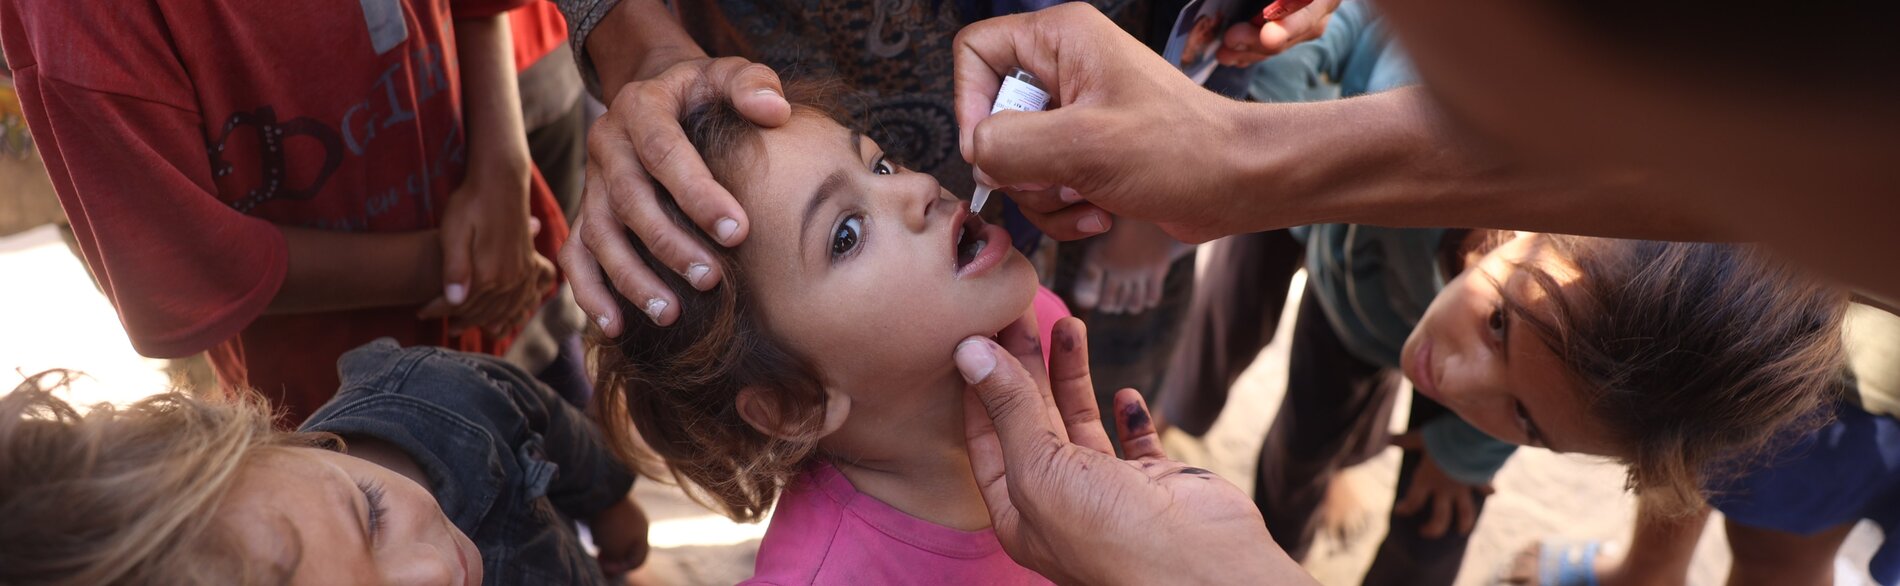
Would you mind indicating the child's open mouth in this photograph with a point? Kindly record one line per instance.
(977, 246)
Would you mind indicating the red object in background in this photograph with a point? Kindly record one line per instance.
(174, 148)
(1278, 10)
(537, 29)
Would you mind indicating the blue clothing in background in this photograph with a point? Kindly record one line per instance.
(1373, 283)
(1847, 471)
(512, 464)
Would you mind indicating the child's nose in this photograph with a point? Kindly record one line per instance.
(923, 200)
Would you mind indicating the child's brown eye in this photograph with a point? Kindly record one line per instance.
(883, 166)
(1497, 320)
(846, 239)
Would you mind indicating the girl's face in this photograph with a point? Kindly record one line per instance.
(1473, 356)
(870, 270)
(345, 520)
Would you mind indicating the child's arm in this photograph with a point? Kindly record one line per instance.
(124, 145)
(334, 271)
(490, 270)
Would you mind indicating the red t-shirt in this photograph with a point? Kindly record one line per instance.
(538, 28)
(178, 133)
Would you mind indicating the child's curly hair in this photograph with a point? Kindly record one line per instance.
(1699, 355)
(129, 496)
(678, 386)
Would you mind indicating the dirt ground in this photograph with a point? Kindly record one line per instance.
(52, 316)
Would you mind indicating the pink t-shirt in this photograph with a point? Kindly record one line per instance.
(826, 532)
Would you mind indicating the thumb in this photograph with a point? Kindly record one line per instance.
(455, 262)
(1013, 400)
(1014, 149)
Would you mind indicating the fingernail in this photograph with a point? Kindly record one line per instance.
(765, 91)
(456, 293)
(696, 272)
(1090, 224)
(726, 227)
(654, 307)
(602, 320)
(975, 360)
(1068, 195)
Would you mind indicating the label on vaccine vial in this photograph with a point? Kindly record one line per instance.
(1018, 95)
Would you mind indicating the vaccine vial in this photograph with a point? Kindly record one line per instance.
(1021, 92)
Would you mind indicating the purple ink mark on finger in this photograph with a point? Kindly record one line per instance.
(1135, 418)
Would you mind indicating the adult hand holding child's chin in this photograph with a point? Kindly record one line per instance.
(1061, 502)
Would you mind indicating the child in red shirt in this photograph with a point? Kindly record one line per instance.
(277, 182)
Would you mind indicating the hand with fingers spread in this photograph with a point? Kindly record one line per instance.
(637, 143)
(1448, 499)
(1062, 503)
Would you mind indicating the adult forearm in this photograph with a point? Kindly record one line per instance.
(1392, 159)
(637, 40)
(335, 271)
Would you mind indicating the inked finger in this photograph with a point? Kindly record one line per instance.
(1074, 388)
(1136, 427)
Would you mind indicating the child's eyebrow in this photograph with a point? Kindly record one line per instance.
(826, 188)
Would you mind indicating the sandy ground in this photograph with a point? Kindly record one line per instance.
(52, 316)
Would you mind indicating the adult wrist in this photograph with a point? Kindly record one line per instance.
(634, 41)
(1270, 165)
(659, 59)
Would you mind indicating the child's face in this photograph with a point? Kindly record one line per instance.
(1471, 355)
(345, 520)
(864, 267)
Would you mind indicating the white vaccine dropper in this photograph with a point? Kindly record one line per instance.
(1021, 92)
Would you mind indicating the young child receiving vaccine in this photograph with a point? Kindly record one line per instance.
(818, 376)
(429, 467)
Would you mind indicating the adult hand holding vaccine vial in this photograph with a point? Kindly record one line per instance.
(1021, 92)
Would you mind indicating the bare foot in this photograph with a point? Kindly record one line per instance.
(1125, 269)
(1342, 516)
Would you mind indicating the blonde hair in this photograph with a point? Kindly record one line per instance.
(129, 496)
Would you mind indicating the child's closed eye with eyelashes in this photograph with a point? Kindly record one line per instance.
(818, 375)
(429, 467)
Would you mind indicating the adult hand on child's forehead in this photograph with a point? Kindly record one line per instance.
(637, 142)
(1063, 505)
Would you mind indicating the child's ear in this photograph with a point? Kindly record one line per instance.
(758, 406)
